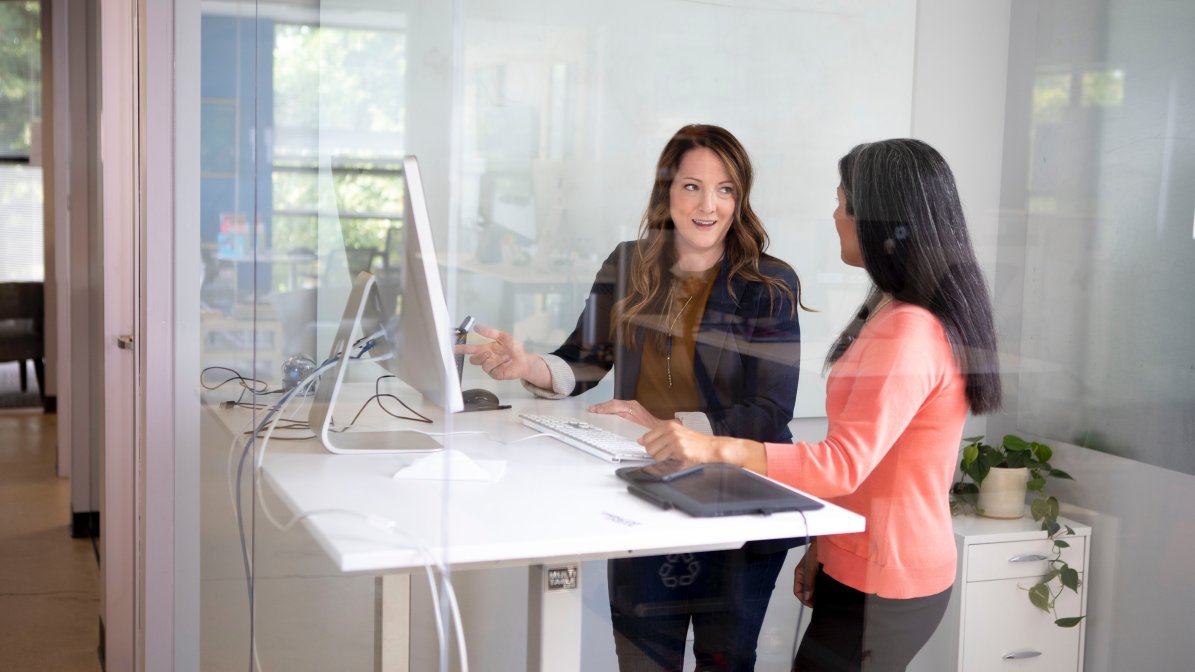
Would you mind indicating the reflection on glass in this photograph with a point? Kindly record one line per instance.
(1103, 88)
(271, 169)
(1106, 321)
(302, 131)
(21, 254)
(536, 129)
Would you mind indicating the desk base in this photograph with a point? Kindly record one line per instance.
(554, 608)
(392, 611)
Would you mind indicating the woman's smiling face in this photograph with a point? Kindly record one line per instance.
(701, 202)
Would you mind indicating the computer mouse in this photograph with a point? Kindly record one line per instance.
(480, 399)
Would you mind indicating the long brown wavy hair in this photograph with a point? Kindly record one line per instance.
(745, 243)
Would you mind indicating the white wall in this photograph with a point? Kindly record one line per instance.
(1141, 598)
(962, 52)
(578, 99)
(75, 245)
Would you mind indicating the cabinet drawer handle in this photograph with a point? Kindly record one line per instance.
(1018, 655)
(1028, 557)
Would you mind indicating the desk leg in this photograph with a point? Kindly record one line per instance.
(554, 618)
(392, 623)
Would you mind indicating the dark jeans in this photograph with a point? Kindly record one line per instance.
(725, 593)
(852, 631)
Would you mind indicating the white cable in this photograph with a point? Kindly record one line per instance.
(390, 527)
(277, 412)
(302, 408)
(456, 622)
(525, 438)
(377, 334)
(265, 440)
(382, 358)
(234, 491)
(429, 561)
(807, 577)
(285, 527)
(443, 435)
(232, 445)
(404, 430)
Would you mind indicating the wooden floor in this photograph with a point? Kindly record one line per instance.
(49, 582)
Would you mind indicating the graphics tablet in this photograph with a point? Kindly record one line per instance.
(720, 490)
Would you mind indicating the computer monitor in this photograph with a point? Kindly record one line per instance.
(416, 347)
(425, 334)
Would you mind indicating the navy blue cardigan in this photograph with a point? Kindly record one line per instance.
(746, 359)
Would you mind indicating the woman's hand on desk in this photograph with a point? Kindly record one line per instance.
(504, 358)
(673, 441)
(629, 409)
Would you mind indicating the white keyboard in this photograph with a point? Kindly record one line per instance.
(592, 439)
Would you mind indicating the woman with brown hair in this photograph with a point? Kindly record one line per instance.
(700, 328)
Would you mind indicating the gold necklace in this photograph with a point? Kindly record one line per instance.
(884, 300)
(668, 350)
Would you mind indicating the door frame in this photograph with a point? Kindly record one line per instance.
(119, 491)
(149, 498)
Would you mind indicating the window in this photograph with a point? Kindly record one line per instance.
(21, 256)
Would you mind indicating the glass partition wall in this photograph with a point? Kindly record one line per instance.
(301, 186)
(537, 127)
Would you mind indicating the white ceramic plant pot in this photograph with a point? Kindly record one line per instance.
(1002, 493)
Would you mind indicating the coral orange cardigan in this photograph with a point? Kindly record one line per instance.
(896, 404)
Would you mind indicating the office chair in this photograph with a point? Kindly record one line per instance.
(22, 329)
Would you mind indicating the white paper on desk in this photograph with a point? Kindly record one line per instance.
(452, 465)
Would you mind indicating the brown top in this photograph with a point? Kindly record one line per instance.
(660, 396)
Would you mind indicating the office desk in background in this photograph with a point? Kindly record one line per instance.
(572, 283)
(299, 266)
(553, 507)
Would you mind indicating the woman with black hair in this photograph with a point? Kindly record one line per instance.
(920, 354)
(699, 325)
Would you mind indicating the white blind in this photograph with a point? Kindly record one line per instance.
(21, 241)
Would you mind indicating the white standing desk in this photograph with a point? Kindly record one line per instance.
(553, 507)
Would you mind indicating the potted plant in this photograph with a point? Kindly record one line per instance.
(1000, 478)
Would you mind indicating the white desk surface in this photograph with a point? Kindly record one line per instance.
(552, 503)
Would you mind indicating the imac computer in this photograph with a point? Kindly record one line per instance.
(417, 347)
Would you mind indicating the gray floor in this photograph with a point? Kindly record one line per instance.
(49, 582)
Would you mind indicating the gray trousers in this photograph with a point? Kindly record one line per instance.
(851, 631)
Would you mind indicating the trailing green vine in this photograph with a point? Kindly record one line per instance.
(1014, 452)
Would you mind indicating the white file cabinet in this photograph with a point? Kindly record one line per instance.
(990, 624)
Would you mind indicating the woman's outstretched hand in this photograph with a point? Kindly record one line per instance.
(629, 409)
(504, 358)
(673, 441)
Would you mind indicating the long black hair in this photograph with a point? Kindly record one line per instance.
(915, 247)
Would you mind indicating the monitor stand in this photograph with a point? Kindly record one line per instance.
(363, 312)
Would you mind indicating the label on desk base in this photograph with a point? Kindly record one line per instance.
(563, 577)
